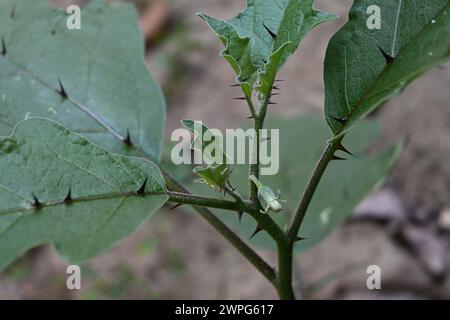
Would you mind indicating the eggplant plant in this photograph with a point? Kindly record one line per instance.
(82, 122)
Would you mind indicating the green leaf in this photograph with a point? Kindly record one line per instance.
(364, 68)
(110, 92)
(344, 184)
(265, 28)
(88, 198)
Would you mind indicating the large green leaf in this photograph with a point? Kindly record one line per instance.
(42, 160)
(264, 29)
(344, 184)
(364, 68)
(101, 67)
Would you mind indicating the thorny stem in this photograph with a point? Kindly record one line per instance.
(258, 124)
(282, 278)
(262, 266)
(284, 246)
(254, 165)
(200, 201)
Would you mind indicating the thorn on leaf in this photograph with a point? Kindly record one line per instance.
(68, 197)
(127, 139)
(36, 203)
(342, 121)
(62, 90)
(240, 214)
(141, 190)
(272, 34)
(389, 59)
(3, 47)
(257, 230)
(12, 14)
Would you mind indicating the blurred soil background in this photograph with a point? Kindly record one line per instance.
(404, 228)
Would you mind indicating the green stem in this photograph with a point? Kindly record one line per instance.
(258, 124)
(200, 201)
(311, 187)
(284, 281)
(261, 265)
(254, 167)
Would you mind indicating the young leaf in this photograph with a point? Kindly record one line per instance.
(215, 176)
(217, 172)
(364, 68)
(92, 80)
(57, 187)
(265, 28)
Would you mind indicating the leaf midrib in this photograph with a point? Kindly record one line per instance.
(54, 203)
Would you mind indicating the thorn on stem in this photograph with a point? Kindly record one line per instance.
(240, 98)
(235, 85)
(141, 190)
(250, 117)
(62, 90)
(300, 239)
(276, 88)
(344, 149)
